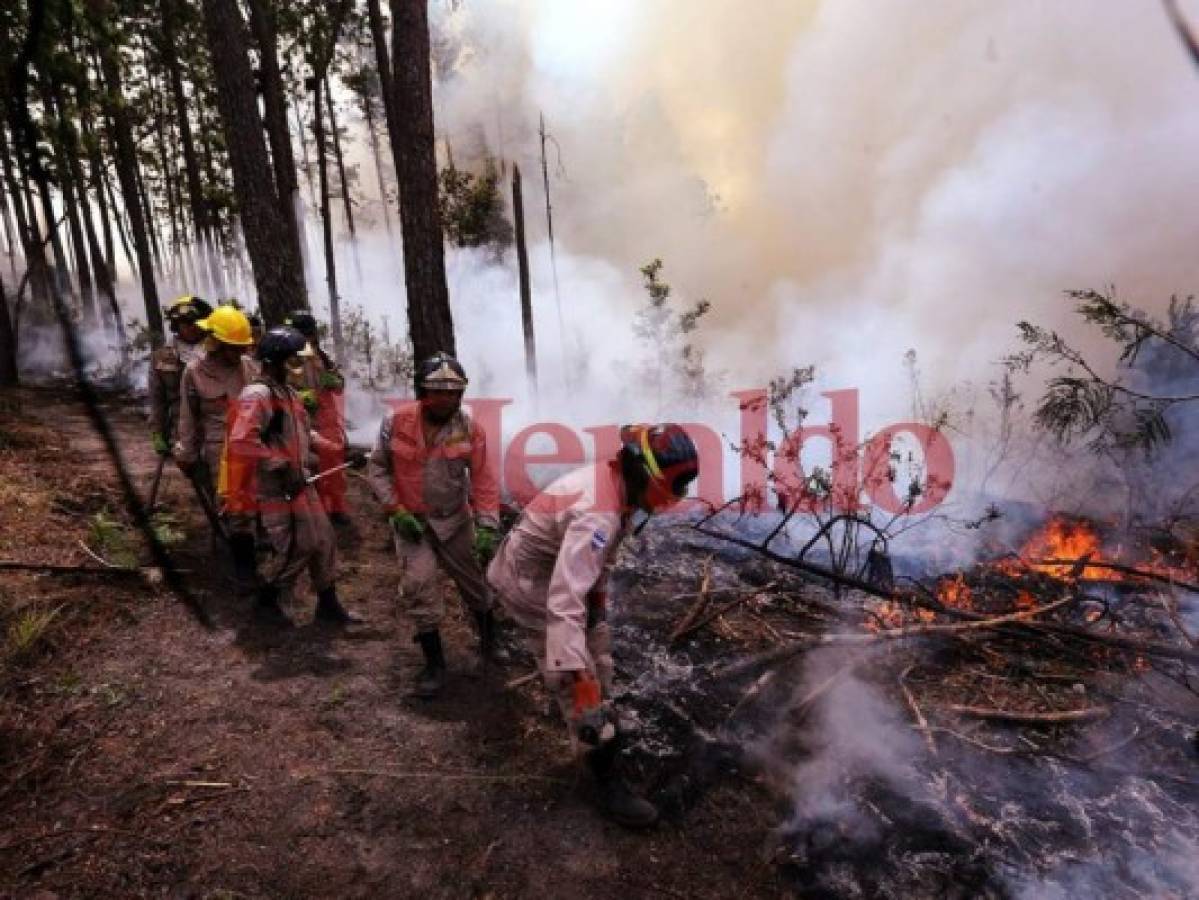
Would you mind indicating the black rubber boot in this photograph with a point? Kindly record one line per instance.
(431, 679)
(490, 650)
(330, 610)
(245, 562)
(616, 799)
(268, 609)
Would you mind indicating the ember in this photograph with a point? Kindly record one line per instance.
(955, 593)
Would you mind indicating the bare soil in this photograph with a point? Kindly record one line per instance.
(145, 755)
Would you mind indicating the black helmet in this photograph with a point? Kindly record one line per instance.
(280, 343)
(440, 372)
(303, 322)
(188, 309)
(663, 453)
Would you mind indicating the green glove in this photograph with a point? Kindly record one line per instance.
(308, 398)
(159, 443)
(330, 381)
(486, 538)
(406, 525)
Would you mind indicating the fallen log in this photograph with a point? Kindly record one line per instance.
(53, 569)
(1087, 714)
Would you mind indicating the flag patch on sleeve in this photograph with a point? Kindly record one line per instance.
(599, 541)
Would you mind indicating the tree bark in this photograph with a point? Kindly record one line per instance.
(8, 343)
(430, 321)
(274, 100)
(373, 132)
(268, 237)
(191, 164)
(522, 267)
(346, 200)
(386, 79)
(70, 188)
(322, 165)
(101, 13)
(31, 241)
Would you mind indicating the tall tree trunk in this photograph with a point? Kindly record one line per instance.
(70, 189)
(386, 79)
(121, 138)
(522, 268)
(143, 195)
(268, 238)
(10, 232)
(346, 200)
(429, 318)
(373, 132)
(168, 178)
(191, 165)
(95, 170)
(274, 101)
(8, 342)
(322, 166)
(308, 167)
(100, 270)
(62, 270)
(31, 239)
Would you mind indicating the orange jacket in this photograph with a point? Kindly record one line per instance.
(445, 481)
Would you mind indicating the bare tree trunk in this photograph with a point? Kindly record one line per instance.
(277, 272)
(347, 201)
(191, 166)
(10, 236)
(373, 132)
(151, 221)
(386, 78)
(522, 267)
(8, 343)
(322, 165)
(70, 189)
(62, 271)
(121, 139)
(429, 318)
(287, 186)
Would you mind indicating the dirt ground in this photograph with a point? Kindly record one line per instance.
(144, 755)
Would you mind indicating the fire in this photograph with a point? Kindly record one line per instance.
(1062, 539)
(956, 593)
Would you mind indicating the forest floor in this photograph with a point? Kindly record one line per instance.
(143, 754)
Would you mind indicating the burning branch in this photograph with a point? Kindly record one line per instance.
(780, 654)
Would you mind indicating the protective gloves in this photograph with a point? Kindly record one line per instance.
(486, 538)
(329, 381)
(592, 723)
(406, 525)
(159, 442)
(308, 398)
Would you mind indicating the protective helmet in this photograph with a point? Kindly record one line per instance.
(661, 454)
(229, 326)
(440, 372)
(279, 344)
(303, 322)
(188, 309)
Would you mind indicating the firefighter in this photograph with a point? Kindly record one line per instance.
(430, 470)
(208, 393)
(551, 573)
(270, 441)
(322, 388)
(167, 364)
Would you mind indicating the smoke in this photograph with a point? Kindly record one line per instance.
(848, 180)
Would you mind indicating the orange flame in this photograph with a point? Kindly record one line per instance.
(956, 593)
(1067, 542)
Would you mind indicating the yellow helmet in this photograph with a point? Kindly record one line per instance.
(229, 326)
